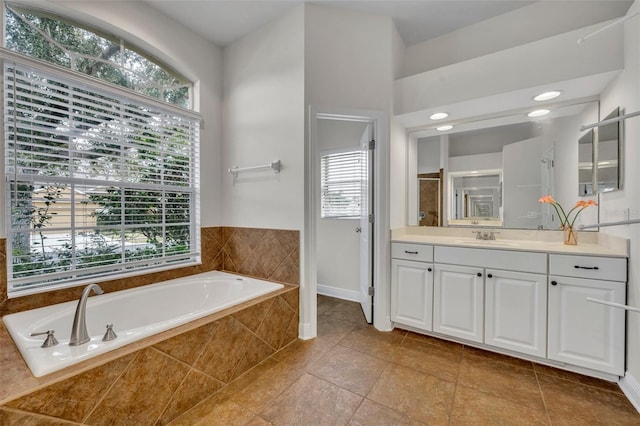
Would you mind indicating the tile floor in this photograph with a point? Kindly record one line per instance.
(353, 374)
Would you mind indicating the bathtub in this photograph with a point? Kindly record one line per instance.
(135, 314)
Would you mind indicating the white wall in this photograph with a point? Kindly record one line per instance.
(625, 92)
(162, 37)
(534, 22)
(429, 155)
(263, 120)
(350, 62)
(465, 163)
(338, 245)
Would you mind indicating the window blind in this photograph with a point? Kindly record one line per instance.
(343, 182)
(99, 184)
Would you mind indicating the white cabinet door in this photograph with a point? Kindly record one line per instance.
(585, 333)
(412, 293)
(458, 301)
(516, 311)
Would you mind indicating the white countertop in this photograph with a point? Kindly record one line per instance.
(589, 243)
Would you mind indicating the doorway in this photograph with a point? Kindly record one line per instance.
(344, 214)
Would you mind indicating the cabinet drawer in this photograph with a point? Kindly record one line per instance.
(497, 259)
(407, 251)
(602, 268)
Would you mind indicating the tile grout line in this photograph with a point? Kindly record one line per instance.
(124, 370)
(544, 402)
(175, 391)
(38, 415)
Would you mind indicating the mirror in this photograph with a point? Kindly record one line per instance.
(586, 149)
(608, 155)
(476, 198)
(520, 160)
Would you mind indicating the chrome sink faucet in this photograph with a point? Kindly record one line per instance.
(485, 235)
(79, 334)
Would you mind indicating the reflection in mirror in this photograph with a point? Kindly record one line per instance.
(608, 155)
(585, 163)
(533, 157)
(476, 197)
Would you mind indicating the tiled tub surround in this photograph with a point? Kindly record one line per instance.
(262, 253)
(268, 254)
(166, 305)
(179, 368)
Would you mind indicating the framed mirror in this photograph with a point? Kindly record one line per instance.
(532, 157)
(608, 155)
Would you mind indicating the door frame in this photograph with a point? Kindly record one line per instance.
(381, 237)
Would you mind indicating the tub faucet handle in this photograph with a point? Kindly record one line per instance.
(109, 334)
(49, 341)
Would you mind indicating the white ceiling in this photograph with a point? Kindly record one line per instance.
(223, 22)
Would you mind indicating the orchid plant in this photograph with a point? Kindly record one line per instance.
(566, 219)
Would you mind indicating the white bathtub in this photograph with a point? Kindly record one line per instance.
(136, 313)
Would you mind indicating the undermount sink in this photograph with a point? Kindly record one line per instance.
(486, 243)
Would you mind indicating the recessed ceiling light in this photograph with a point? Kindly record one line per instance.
(439, 116)
(547, 95)
(538, 113)
(444, 128)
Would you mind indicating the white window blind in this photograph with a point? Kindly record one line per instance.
(343, 182)
(99, 184)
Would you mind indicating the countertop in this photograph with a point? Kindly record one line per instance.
(589, 243)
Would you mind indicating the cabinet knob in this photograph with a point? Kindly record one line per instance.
(429, 269)
(490, 275)
(554, 282)
(479, 274)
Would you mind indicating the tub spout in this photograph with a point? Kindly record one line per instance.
(79, 334)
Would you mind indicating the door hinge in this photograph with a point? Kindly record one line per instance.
(372, 291)
(372, 144)
(372, 219)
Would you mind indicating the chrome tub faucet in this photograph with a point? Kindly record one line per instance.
(79, 334)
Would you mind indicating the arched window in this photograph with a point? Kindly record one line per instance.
(91, 52)
(102, 183)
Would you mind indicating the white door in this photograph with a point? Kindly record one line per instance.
(366, 225)
(412, 293)
(458, 301)
(584, 333)
(516, 311)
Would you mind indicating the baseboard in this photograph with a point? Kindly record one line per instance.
(339, 293)
(631, 388)
(304, 331)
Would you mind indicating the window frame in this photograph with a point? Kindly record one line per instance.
(89, 81)
(326, 210)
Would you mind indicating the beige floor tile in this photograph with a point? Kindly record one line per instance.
(571, 403)
(422, 397)
(575, 377)
(333, 330)
(348, 312)
(349, 369)
(302, 352)
(371, 341)
(453, 346)
(441, 361)
(312, 401)
(494, 356)
(472, 407)
(373, 414)
(501, 379)
(326, 303)
(266, 386)
(225, 412)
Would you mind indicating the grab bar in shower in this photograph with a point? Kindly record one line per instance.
(274, 165)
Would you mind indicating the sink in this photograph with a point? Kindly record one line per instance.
(486, 243)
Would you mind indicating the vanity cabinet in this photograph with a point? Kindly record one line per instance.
(412, 285)
(529, 303)
(458, 308)
(582, 332)
(516, 311)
